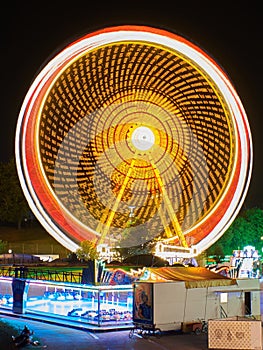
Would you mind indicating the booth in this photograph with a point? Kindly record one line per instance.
(100, 306)
(174, 298)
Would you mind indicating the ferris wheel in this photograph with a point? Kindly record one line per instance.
(133, 134)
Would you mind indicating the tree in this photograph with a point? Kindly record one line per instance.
(87, 251)
(246, 229)
(3, 246)
(13, 205)
(219, 253)
(135, 238)
(254, 217)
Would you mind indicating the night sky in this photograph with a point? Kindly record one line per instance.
(32, 32)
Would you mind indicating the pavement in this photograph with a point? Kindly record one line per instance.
(58, 334)
(65, 336)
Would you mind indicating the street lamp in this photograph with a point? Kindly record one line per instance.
(131, 207)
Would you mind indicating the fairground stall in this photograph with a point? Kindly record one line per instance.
(175, 298)
(107, 303)
(167, 298)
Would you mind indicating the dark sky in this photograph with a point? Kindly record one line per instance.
(32, 32)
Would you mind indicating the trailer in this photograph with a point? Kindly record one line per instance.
(163, 304)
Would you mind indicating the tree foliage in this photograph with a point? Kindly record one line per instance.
(87, 251)
(13, 205)
(246, 229)
(3, 246)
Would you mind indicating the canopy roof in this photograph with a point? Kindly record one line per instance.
(194, 277)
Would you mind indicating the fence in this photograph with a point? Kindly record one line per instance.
(38, 249)
(41, 274)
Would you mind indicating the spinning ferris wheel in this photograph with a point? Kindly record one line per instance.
(138, 123)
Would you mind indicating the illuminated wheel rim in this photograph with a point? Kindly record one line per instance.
(136, 127)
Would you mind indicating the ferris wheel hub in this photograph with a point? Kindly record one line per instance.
(143, 138)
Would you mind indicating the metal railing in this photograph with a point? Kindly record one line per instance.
(38, 248)
(41, 274)
(223, 313)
